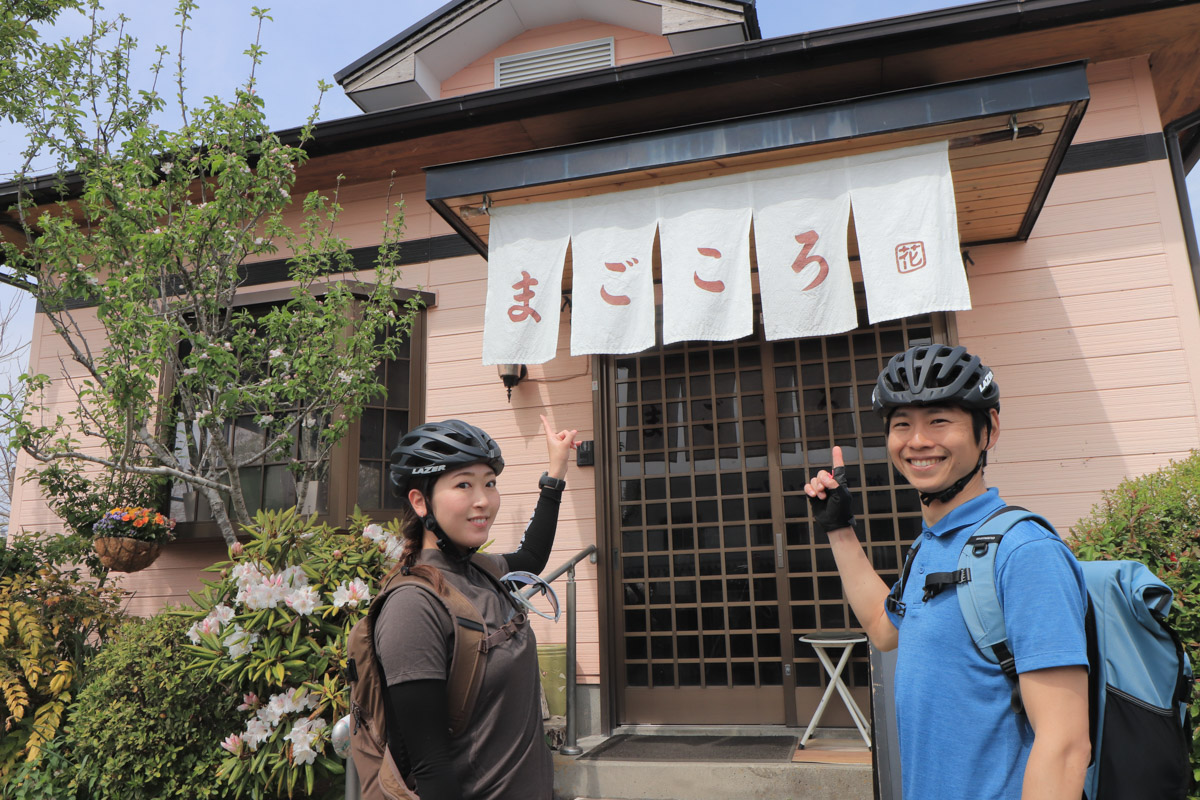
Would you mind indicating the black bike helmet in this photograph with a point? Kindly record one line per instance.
(934, 374)
(429, 450)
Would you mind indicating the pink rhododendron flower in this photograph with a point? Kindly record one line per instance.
(302, 736)
(256, 733)
(238, 642)
(293, 578)
(351, 594)
(303, 601)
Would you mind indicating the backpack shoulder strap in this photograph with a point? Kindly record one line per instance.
(894, 602)
(467, 658)
(467, 651)
(978, 598)
(487, 563)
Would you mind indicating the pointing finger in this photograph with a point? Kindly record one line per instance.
(839, 466)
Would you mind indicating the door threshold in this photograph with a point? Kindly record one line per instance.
(732, 730)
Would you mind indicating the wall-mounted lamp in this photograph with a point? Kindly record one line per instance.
(466, 212)
(511, 375)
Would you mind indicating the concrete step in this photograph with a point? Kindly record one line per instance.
(576, 779)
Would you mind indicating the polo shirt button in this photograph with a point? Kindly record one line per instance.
(921, 570)
(928, 535)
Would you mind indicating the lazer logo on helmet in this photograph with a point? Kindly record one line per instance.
(986, 382)
(432, 468)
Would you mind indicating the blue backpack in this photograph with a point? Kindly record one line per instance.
(1140, 679)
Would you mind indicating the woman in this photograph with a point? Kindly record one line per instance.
(447, 471)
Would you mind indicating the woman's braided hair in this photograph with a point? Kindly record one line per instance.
(413, 531)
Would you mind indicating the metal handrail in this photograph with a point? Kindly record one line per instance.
(570, 747)
(590, 550)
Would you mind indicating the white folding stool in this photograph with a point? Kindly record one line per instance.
(846, 641)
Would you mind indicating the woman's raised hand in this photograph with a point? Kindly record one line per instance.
(559, 446)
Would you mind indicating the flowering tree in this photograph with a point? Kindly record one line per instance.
(274, 629)
(139, 270)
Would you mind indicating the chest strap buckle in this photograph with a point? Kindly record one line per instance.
(935, 582)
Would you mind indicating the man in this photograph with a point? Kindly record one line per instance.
(960, 738)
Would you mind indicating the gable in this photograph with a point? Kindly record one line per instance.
(413, 66)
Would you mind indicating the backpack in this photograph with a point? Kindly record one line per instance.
(1139, 678)
(379, 774)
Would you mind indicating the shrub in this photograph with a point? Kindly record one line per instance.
(142, 728)
(1155, 519)
(52, 619)
(273, 629)
(48, 778)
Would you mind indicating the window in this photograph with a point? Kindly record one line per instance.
(356, 469)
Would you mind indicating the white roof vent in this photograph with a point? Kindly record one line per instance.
(555, 61)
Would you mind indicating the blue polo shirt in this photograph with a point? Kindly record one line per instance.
(959, 737)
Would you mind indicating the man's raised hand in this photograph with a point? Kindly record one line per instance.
(831, 502)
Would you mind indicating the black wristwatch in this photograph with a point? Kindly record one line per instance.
(546, 482)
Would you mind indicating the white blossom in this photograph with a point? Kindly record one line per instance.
(303, 600)
(220, 616)
(247, 573)
(293, 577)
(284, 703)
(267, 594)
(256, 733)
(302, 735)
(238, 642)
(351, 594)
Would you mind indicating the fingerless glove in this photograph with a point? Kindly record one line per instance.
(837, 509)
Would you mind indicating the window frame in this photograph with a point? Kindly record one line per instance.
(343, 458)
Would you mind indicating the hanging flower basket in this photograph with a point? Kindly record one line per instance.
(122, 554)
(129, 539)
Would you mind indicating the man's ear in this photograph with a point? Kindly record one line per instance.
(994, 416)
(417, 500)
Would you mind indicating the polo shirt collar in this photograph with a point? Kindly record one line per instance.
(972, 512)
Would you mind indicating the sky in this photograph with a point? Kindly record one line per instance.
(309, 40)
